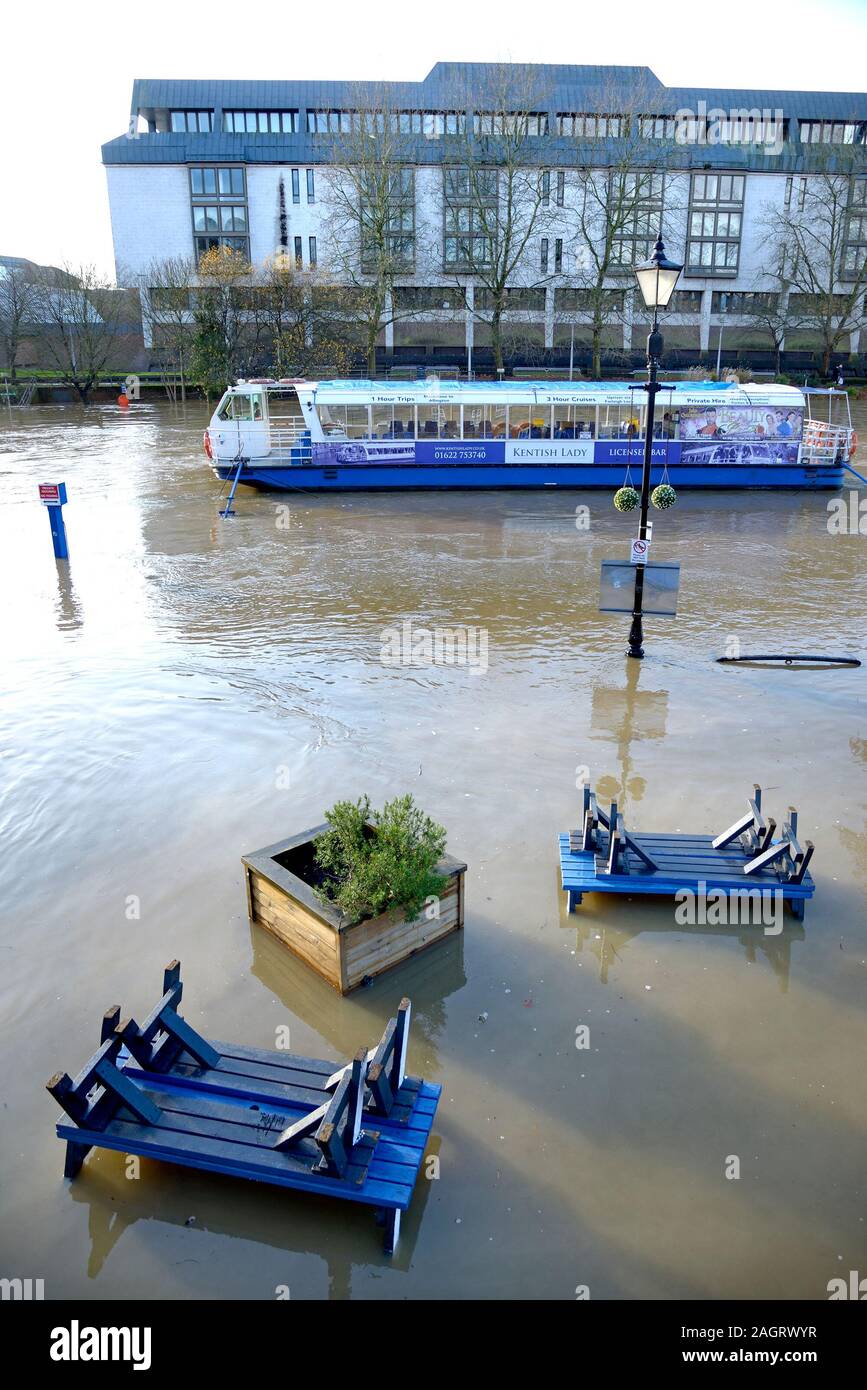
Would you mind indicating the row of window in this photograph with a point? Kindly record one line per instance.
(715, 218)
(745, 128)
(260, 122)
(431, 124)
(434, 298)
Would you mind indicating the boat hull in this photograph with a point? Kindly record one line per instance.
(412, 477)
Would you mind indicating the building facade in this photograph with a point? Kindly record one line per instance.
(249, 165)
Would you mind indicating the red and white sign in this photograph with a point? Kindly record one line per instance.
(49, 494)
(640, 552)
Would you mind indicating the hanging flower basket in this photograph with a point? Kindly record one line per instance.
(663, 496)
(626, 499)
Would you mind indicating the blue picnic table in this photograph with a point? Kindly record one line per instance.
(357, 1132)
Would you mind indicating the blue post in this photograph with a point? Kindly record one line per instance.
(53, 496)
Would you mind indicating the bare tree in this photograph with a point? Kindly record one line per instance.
(770, 309)
(302, 317)
(371, 235)
(623, 200)
(816, 242)
(79, 314)
(19, 293)
(496, 198)
(165, 291)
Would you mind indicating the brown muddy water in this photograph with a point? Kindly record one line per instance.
(189, 689)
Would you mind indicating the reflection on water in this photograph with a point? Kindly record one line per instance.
(187, 687)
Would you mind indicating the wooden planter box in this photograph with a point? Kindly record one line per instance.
(280, 898)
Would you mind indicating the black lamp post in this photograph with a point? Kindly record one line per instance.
(656, 280)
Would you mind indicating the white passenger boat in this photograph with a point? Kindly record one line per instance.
(366, 435)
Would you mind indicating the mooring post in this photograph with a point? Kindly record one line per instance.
(53, 497)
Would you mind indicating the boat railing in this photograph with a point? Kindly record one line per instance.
(291, 442)
(824, 443)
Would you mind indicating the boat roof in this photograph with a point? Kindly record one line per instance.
(547, 392)
(589, 393)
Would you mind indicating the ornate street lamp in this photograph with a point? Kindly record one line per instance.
(656, 280)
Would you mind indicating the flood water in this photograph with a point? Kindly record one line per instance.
(189, 689)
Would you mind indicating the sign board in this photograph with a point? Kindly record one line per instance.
(639, 552)
(617, 588)
(52, 494)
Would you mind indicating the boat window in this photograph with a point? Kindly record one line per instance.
(572, 422)
(235, 408)
(484, 421)
(428, 422)
(450, 422)
(530, 422)
(404, 421)
(357, 422)
(620, 421)
(382, 420)
(257, 407)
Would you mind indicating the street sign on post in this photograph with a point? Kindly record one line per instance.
(640, 552)
(53, 496)
(617, 588)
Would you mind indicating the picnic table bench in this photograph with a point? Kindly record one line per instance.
(160, 1090)
(603, 856)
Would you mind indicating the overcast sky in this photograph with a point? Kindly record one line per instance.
(66, 71)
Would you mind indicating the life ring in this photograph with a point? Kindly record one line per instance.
(853, 444)
(206, 442)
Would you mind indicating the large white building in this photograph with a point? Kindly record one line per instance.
(204, 162)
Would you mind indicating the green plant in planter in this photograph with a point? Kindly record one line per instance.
(368, 871)
(626, 499)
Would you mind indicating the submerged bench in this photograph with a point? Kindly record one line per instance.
(604, 857)
(160, 1090)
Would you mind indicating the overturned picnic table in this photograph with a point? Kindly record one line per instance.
(160, 1090)
(604, 857)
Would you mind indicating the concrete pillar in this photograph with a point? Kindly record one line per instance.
(704, 329)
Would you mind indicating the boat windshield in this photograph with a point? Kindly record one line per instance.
(240, 407)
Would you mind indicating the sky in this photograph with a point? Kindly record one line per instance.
(66, 71)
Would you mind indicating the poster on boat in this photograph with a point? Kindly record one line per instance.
(761, 422)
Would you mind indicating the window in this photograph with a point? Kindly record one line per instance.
(657, 127)
(296, 190)
(641, 207)
(685, 302)
(260, 122)
(442, 298)
(527, 299)
(581, 301)
(558, 256)
(736, 302)
(561, 188)
(469, 217)
(715, 220)
(746, 128)
(523, 123)
(189, 121)
(396, 239)
(433, 125)
(219, 209)
(543, 255)
(312, 250)
(311, 187)
(833, 132)
(802, 193)
(299, 254)
(546, 188)
(854, 250)
(586, 127)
